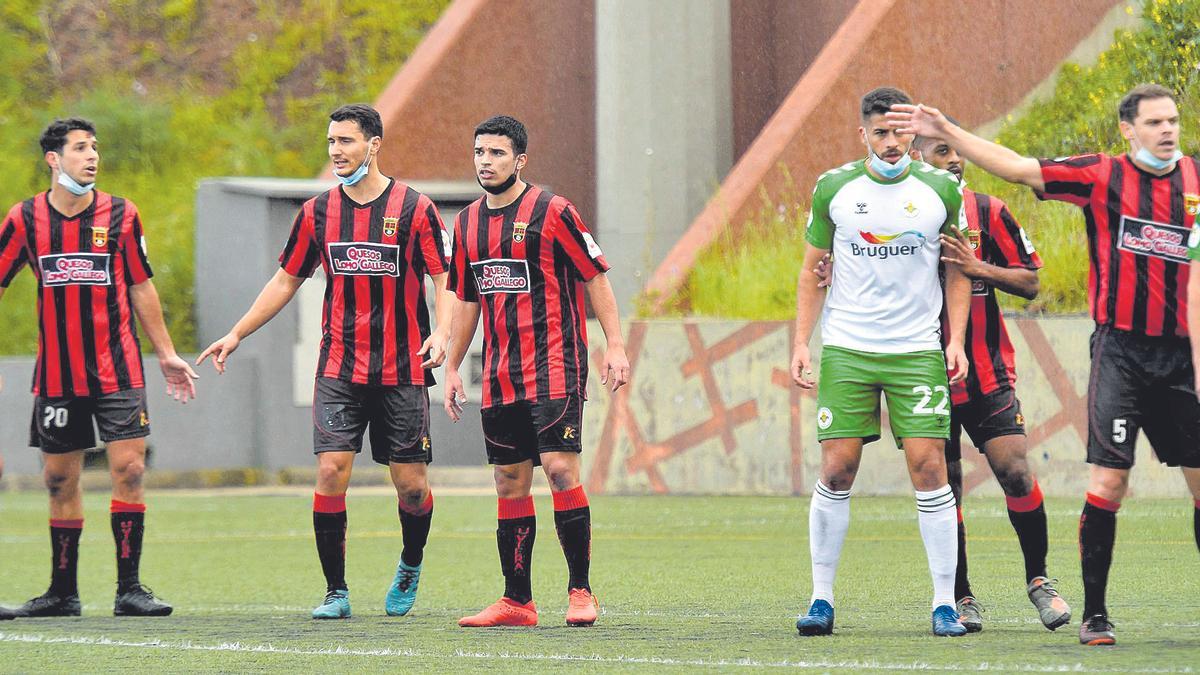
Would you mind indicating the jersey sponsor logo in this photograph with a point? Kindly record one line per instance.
(1191, 204)
(390, 224)
(978, 287)
(501, 275)
(364, 258)
(99, 237)
(882, 246)
(1159, 240)
(67, 269)
(519, 231)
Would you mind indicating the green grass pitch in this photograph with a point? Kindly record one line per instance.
(685, 583)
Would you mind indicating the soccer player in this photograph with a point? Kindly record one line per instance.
(1138, 207)
(376, 239)
(881, 331)
(87, 251)
(523, 258)
(995, 254)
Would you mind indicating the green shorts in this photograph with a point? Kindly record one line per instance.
(915, 385)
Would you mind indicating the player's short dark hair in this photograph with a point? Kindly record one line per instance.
(503, 125)
(1127, 109)
(367, 117)
(920, 141)
(55, 136)
(881, 99)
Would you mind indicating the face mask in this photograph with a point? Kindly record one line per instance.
(74, 187)
(886, 170)
(1147, 158)
(501, 188)
(358, 174)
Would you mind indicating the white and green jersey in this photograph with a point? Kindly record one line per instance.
(885, 296)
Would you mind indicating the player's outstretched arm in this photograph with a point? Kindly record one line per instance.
(1193, 318)
(278, 292)
(179, 375)
(434, 347)
(810, 298)
(615, 372)
(994, 158)
(958, 306)
(462, 330)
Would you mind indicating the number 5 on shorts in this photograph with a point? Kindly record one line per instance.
(927, 394)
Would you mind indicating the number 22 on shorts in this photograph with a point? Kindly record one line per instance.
(927, 394)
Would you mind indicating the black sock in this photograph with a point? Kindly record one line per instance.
(516, 530)
(1031, 533)
(330, 528)
(64, 556)
(128, 525)
(1196, 523)
(415, 531)
(962, 585)
(1097, 533)
(573, 521)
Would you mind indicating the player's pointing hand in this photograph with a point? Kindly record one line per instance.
(220, 350)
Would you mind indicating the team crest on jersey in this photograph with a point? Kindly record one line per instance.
(910, 209)
(389, 226)
(99, 237)
(1191, 204)
(973, 238)
(519, 231)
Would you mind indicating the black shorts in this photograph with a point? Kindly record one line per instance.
(61, 425)
(396, 415)
(523, 430)
(984, 418)
(1141, 382)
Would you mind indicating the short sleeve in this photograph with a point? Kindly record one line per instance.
(819, 230)
(301, 255)
(1193, 242)
(133, 249)
(13, 253)
(576, 243)
(956, 217)
(432, 239)
(1071, 179)
(1010, 246)
(461, 281)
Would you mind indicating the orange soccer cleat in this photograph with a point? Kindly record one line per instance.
(504, 612)
(582, 607)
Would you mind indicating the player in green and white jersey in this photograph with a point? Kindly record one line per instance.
(883, 217)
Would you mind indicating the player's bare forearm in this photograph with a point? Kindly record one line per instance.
(604, 304)
(462, 330)
(443, 304)
(278, 292)
(1016, 281)
(958, 304)
(809, 297)
(150, 315)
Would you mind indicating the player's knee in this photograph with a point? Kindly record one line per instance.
(1014, 479)
(61, 484)
(128, 474)
(562, 478)
(928, 470)
(411, 495)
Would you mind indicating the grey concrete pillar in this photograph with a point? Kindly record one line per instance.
(664, 131)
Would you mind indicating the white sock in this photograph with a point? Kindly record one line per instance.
(937, 516)
(828, 520)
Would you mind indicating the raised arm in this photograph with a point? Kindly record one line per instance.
(994, 158)
(278, 292)
(178, 374)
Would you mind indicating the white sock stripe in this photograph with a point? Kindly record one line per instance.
(934, 494)
(935, 501)
(836, 495)
(948, 505)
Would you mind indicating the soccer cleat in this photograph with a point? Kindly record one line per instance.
(503, 612)
(403, 592)
(582, 607)
(1052, 609)
(969, 614)
(336, 605)
(818, 621)
(7, 614)
(46, 604)
(945, 622)
(1096, 630)
(140, 601)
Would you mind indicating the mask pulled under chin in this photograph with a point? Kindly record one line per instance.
(501, 188)
(1147, 158)
(73, 186)
(358, 174)
(886, 169)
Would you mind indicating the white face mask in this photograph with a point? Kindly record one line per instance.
(886, 169)
(1147, 158)
(73, 186)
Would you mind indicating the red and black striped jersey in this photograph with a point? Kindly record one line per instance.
(375, 257)
(526, 265)
(85, 266)
(1137, 226)
(999, 240)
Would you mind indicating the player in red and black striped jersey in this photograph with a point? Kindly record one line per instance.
(375, 239)
(87, 251)
(524, 258)
(1136, 207)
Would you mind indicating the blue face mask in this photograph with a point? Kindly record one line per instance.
(74, 187)
(1147, 158)
(886, 170)
(357, 175)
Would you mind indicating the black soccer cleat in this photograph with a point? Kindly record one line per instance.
(46, 604)
(140, 601)
(1097, 631)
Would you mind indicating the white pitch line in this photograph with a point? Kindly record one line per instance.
(581, 658)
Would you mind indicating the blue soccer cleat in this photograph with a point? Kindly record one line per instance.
(403, 592)
(818, 621)
(946, 623)
(336, 606)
